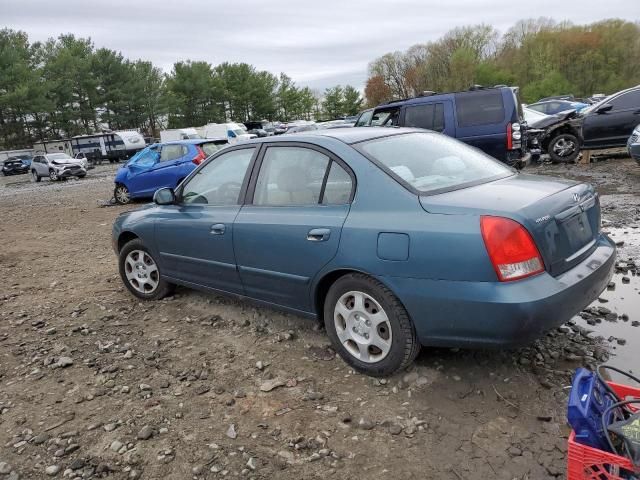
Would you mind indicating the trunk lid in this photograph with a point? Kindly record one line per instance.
(562, 216)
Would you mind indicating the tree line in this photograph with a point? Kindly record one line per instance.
(66, 86)
(540, 56)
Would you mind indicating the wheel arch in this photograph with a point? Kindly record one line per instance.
(125, 237)
(552, 134)
(323, 285)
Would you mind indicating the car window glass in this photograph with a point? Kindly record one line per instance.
(428, 162)
(438, 118)
(219, 182)
(364, 119)
(626, 101)
(337, 190)
(479, 107)
(211, 147)
(171, 152)
(290, 176)
(419, 116)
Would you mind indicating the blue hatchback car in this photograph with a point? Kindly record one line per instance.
(393, 238)
(161, 165)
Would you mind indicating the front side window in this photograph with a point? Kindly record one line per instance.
(385, 118)
(626, 101)
(428, 162)
(219, 182)
(290, 176)
(479, 107)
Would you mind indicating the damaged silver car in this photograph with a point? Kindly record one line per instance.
(56, 166)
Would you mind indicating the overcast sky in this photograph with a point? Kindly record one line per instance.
(318, 43)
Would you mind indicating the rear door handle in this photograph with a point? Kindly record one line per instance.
(318, 235)
(218, 229)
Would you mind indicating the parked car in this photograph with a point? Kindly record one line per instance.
(393, 238)
(551, 107)
(56, 166)
(490, 119)
(557, 135)
(610, 122)
(260, 132)
(633, 144)
(14, 166)
(161, 165)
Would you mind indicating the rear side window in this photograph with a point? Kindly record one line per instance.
(290, 176)
(429, 116)
(481, 107)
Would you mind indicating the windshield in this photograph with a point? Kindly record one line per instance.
(595, 106)
(431, 162)
(59, 156)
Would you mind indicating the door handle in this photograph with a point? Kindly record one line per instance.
(218, 229)
(318, 235)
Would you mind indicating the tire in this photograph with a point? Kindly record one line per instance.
(81, 176)
(53, 175)
(140, 272)
(564, 148)
(35, 177)
(348, 334)
(121, 194)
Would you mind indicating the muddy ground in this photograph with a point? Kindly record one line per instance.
(96, 384)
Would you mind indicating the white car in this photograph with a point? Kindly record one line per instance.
(56, 166)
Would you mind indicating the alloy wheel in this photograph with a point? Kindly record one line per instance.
(53, 175)
(141, 271)
(362, 326)
(564, 147)
(122, 194)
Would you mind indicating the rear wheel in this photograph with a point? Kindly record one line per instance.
(34, 176)
(121, 194)
(369, 327)
(564, 148)
(140, 272)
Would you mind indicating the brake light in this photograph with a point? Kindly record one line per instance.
(200, 157)
(511, 249)
(514, 135)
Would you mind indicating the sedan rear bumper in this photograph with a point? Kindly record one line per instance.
(456, 313)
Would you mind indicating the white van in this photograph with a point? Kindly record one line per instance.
(231, 132)
(178, 134)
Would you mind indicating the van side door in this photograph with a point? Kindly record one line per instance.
(437, 116)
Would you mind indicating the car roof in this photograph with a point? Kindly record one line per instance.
(190, 141)
(347, 135)
(434, 96)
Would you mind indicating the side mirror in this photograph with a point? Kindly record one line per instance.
(164, 196)
(604, 108)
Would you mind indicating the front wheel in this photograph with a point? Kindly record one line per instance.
(53, 175)
(34, 176)
(564, 148)
(121, 194)
(140, 272)
(369, 327)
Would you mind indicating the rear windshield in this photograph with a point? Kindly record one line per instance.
(431, 162)
(479, 107)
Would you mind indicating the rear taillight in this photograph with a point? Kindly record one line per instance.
(511, 249)
(200, 157)
(514, 136)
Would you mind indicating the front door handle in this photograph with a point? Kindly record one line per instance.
(318, 235)
(218, 229)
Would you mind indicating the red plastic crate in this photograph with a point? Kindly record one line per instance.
(587, 463)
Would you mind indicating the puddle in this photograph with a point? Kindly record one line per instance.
(624, 299)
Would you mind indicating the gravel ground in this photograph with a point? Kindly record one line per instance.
(96, 384)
